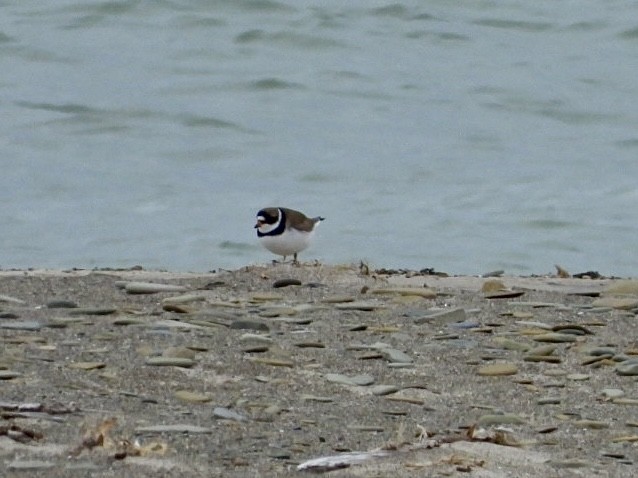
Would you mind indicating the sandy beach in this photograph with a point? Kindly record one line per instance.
(257, 371)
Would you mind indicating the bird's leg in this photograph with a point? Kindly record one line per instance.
(294, 260)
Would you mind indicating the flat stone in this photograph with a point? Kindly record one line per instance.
(256, 338)
(623, 287)
(174, 324)
(265, 297)
(355, 380)
(87, 365)
(25, 465)
(228, 414)
(416, 291)
(338, 299)
(395, 356)
(247, 324)
(286, 283)
(192, 397)
(612, 393)
(554, 337)
(549, 401)
(9, 374)
(179, 352)
(152, 288)
(623, 303)
(273, 362)
(184, 299)
(591, 424)
(31, 325)
(542, 350)
(277, 311)
(498, 369)
(61, 304)
(92, 311)
(360, 305)
(506, 294)
(628, 368)
(381, 390)
(11, 300)
(578, 377)
(315, 398)
(442, 316)
(170, 362)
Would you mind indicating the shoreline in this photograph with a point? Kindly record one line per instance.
(255, 371)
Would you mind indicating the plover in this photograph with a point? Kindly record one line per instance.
(285, 231)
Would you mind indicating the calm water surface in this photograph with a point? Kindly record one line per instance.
(465, 136)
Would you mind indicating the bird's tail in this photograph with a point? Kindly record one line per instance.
(318, 219)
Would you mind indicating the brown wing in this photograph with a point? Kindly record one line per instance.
(298, 220)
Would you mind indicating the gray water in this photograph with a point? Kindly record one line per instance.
(466, 136)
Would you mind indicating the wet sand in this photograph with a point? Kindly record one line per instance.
(228, 375)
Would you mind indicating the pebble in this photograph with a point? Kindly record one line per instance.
(623, 303)
(92, 311)
(286, 283)
(611, 393)
(578, 377)
(61, 304)
(87, 365)
(151, 288)
(416, 291)
(381, 390)
(355, 380)
(554, 337)
(442, 316)
(549, 401)
(265, 297)
(184, 299)
(256, 338)
(170, 361)
(179, 352)
(338, 299)
(25, 465)
(627, 368)
(542, 350)
(506, 294)
(12, 300)
(360, 305)
(591, 424)
(314, 398)
(498, 369)
(273, 362)
(192, 397)
(395, 356)
(277, 311)
(228, 414)
(9, 374)
(622, 287)
(246, 324)
(31, 325)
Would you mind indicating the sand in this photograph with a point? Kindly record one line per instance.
(434, 375)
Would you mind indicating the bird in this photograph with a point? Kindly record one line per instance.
(284, 231)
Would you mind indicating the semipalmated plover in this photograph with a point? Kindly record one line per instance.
(285, 231)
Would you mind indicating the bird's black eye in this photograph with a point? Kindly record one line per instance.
(267, 218)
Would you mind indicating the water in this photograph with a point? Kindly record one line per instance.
(465, 136)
